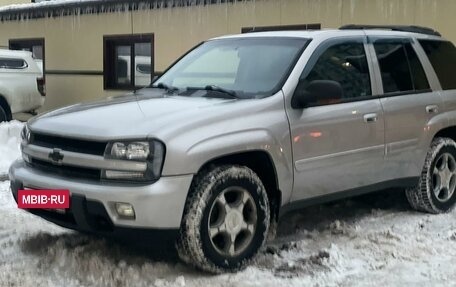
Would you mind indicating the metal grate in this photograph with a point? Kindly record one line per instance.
(66, 171)
(68, 144)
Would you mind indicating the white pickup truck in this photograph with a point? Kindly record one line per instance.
(22, 85)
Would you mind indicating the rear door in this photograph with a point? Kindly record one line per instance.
(408, 102)
(338, 144)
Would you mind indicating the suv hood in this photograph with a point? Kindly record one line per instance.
(148, 113)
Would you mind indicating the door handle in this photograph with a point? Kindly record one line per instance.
(370, 118)
(432, 109)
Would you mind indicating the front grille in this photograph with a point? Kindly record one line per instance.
(66, 171)
(68, 144)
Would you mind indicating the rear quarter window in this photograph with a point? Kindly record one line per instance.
(442, 55)
(8, 63)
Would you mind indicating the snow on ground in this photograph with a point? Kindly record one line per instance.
(10, 137)
(373, 240)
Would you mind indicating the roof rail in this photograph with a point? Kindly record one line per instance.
(402, 28)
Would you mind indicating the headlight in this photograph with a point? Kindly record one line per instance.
(134, 150)
(151, 152)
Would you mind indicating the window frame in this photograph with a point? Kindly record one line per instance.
(377, 70)
(109, 72)
(29, 42)
(322, 48)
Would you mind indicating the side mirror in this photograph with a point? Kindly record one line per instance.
(319, 91)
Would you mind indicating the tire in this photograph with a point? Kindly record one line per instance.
(436, 190)
(214, 215)
(3, 115)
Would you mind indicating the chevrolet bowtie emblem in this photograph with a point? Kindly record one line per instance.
(56, 155)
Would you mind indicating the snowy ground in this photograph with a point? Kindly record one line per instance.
(374, 240)
(10, 136)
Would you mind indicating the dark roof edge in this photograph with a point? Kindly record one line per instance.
(96, 7)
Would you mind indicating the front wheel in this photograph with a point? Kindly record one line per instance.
(435, 192)
(226, 219)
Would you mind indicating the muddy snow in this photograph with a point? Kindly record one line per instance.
(374, 240)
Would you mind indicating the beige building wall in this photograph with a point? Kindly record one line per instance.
(75, 43)
(9, 2)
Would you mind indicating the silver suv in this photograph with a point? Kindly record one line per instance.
(245, 128)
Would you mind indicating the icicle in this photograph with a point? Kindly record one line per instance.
(76, 8)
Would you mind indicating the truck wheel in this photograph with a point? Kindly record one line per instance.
(226, 219)
(3, 116)
(435, 192)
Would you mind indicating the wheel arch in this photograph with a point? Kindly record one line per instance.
(262, 164)
(447, 132)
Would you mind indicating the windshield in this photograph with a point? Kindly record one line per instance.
(243, 67)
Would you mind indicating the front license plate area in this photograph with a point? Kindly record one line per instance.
(51, 200)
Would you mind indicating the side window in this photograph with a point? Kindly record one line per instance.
(345, 64)
(400, 68)
(420, 81)
(7, 63)
(442, 55)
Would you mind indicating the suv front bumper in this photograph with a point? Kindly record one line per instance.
(92, 206)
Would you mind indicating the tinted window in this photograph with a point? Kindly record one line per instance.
(400, 67)
(6, 63)
(345, 64)
(442, 55)
(420, 81)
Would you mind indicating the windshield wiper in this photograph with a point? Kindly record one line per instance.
(165, 87)
(216, 89)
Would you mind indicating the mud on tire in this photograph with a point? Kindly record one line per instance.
(435, 192)
(214, 212)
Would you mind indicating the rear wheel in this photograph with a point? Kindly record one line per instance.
(226, 219)
(435, 192)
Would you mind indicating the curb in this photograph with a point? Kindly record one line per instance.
(4, 176)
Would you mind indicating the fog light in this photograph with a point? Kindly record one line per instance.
(114, 174)
(125, 210)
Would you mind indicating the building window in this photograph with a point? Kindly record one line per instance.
(36, 46)
(128, 61)
(299, 27)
